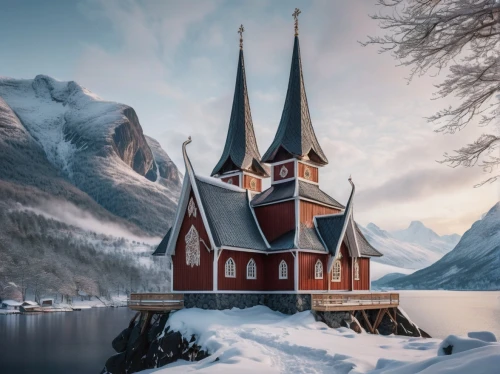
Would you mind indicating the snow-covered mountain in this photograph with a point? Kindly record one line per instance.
(413, 248)
(95, 145)
(473, 264)
(84, 194)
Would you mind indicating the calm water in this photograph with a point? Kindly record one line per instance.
(60, 343)
(80, 342)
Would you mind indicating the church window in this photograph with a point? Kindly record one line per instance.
(337, 271)
(356, 269)
(283, 270)
(230, 181)
(230, 268)
(283, 172)
(251, 269)
(318, 270)
(192, 247)
(192, 208)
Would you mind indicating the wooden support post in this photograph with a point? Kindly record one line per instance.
(367, 320)
(396, 318)
(147, 321)
(380, 315)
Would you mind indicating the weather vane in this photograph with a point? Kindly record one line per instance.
(296, 17)
(240, 31)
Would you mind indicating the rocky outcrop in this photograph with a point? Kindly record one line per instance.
(150, 343)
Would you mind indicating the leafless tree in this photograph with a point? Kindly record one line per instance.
(463, 36)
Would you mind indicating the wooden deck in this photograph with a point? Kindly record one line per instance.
(348, 301)
(155, 302)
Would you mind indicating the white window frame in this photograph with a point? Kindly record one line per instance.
(356, 269)
(251, 269)
(337, 271)
(318, 269)
(230, 268)
(283, 270)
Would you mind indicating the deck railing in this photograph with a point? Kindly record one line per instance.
(339, 301)
(155, 301)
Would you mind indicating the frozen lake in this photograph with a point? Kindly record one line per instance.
(80, 342)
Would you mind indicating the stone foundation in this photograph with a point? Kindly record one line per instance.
(284, 303)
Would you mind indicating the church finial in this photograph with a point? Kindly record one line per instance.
(296, 17)
(241, 30)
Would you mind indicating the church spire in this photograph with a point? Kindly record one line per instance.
(240, 151)
(295, 136)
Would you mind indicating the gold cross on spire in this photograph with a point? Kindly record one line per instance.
(296, 17)
(240, 31)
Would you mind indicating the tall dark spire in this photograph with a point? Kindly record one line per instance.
(295, 136)
(240, 152)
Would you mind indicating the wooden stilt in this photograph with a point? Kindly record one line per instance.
(380, 315)
(367, 321)
(147, 321)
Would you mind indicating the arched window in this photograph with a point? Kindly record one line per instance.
(318, 270)
(356, 269)
(192, 247)
(337, 271)
(230, 268)
(251, 269)
(283, 270)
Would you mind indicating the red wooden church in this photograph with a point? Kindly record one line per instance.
(230, 236)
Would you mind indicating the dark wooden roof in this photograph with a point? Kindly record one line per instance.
(162, 247)
(240, 151)
(330, 229)
(231, 221)
(313, 192)
(295, 135)
(277, 192)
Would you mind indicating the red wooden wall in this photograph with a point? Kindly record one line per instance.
(291, 171)
(307, 261)
(267, 272)
(235, 179)
(308, 210)
(196, 278)
(314, 172)
(364, 275)
(276, 219)
(345, 276)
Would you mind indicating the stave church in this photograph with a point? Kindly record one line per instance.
(230, 236)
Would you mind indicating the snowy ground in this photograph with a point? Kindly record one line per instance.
(258, 340)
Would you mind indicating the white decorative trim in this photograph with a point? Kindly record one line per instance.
(229, 181)
(320, 203)
(181, 209)
(229, 174)
(356, 269)
(296, 272)
(318, 269)
(192, 240)
(275, 202)
(307, 173)
(230, 268)
(192, 207)
(283, 270)
(251, 269)
(282, 181)
(256, 221)
(283, 172)
(243, 249)
(283, 162)
(253, 183)
(308, 181)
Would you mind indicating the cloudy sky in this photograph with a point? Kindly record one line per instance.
(175, 63)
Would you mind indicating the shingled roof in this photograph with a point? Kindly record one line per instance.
(313, 192)
(162, 247)
(295, 134)
(240, 151)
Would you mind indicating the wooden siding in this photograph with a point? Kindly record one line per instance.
(307, 261)
(187, 277)
(276, 171)
(308, 210)
(314, 172)
(273, 283)
(345, 275)
(246, 183)
(235, 180)
(276, 219)
(267, 272)
(364, 275)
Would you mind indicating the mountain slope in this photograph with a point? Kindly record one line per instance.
(473, 264)
(413, 248)
(95, 145)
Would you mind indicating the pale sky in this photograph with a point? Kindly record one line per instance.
(175, 64)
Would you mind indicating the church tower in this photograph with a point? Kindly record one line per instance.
(240, 161)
